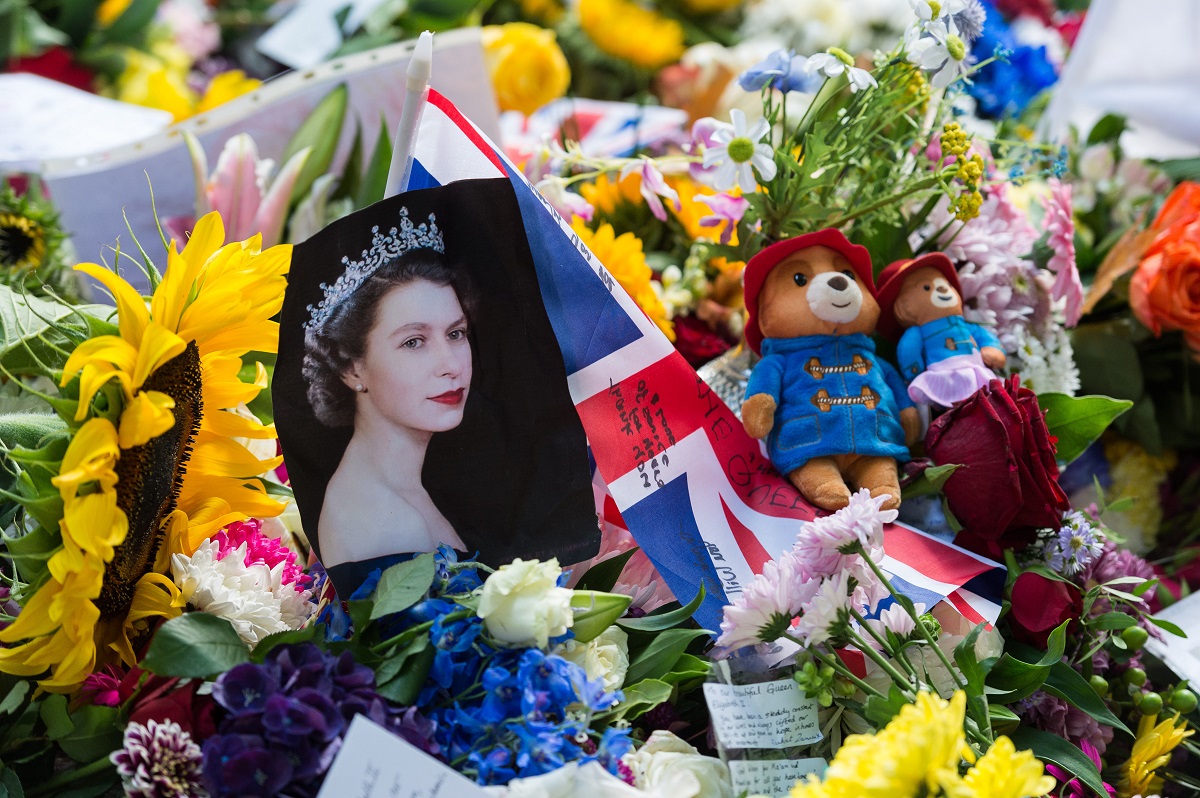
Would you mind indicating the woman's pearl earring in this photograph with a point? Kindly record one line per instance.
(360, 388)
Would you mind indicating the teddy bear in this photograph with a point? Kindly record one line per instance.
(943, 357)
(835, 416)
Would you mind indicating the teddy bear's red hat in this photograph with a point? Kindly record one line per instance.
(761, 265)
(891, 280)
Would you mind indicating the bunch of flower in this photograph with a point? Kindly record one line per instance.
(32, 255)
(920, 753)
(252, 581)
(285, 719)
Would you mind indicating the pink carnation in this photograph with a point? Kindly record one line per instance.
(1060, 226)
(263, 550)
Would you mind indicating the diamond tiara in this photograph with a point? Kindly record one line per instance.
(384, 249)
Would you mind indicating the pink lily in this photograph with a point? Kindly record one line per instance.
(727, 210)
(567, 203)
(239, 188)
(652, 187)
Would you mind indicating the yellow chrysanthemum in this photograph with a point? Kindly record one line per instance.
(1151, 750)
(627, 31)
(169, 473)
(606, 194)
(1138, 474)
(159, 80)
(623, 257)
(914, 754)
(1005, 772)
(692, 210)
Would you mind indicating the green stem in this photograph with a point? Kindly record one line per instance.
(904, 663)
(411, 633)
(893, 199)
(53, 785)
(840, 667)
(902, 681)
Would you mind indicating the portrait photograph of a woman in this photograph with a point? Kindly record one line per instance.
(420, 396)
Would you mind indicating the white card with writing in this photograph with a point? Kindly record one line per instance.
(374, 763)
(764, 715)
(773, 777)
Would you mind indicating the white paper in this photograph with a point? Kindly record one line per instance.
(1180, 654)
(773, 777)
(374, 763)
(309, 33)
(765, 715)
(41, 120)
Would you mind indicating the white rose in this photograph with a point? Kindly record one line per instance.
(606, 657)
(522, 604)
(669, 766)
(572, 780)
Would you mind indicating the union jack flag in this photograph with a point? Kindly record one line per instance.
(697, 493)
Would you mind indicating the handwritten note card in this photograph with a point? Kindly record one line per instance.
(374, 763)
(765, 715)
(774, 777)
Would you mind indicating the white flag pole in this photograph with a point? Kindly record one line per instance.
(416, 94)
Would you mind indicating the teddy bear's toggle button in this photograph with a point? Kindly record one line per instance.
(858, 364)
(824, 402)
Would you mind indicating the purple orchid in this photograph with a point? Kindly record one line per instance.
(653, 186)
(727, 210)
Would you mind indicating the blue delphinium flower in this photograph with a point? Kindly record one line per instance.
(1007, 85)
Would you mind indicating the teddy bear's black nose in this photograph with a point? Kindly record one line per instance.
(943, 289)
(838, 283)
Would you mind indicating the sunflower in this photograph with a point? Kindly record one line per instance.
(622, 255)
(153, 468)
(627, 31)
(22, 242)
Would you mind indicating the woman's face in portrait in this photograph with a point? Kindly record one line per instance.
(416, 368)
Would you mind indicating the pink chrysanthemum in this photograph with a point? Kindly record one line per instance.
(159, 760)
(823, 544)
(1060, 225)
(262, 550)
(763, 612)
(830, 604)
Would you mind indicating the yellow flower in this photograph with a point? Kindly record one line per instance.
(623, 257)
(692, 210)
(1004, 772)
(526, 65)
(1151, 750)
(110, 10)
(627, 31)
(549, 11)
(158, 79)
(22, 242)
(1138, 474)
(223, 88)
(913, 755)
(170, 472)
(606, 194)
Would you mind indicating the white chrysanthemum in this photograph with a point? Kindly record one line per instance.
(251, 597)
(830, 605)
(1046, 365)
(834, 62)
(940, 51)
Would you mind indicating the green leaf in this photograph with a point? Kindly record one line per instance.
(1068, 685)
(1012, 679)
(1167, 625)
(1077, 421)
(403, 585)
(97, 733)
(1003, 720)
(604, 574)
(880, 711)
(290, 637)
(640, 698)
(1108, 129)
(930, 481)
(133, 22)
(687, 668)
(53, 712)
(374, 181)
(352, 172)
(195, 645)
(24, 318)
(660, 656)
(595, 612)
(321, 131)
(10, 782)
(1052, 748)
(1113, 620)
(1181, 168)
(15, 697)
(404, 688)
(657, 623)
(394, 662)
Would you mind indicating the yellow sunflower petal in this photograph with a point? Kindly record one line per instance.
(154, 597)
(100, 360)
(221, 457)
(248, 498)
(222, 388)
(158, 346)
(147, 416)
(233, 425)
(90, 457)
(209, 518)
(131, 308)
(173, 294)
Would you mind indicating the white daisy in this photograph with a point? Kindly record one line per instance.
(943, 50)
(834, 62)
(736, 150)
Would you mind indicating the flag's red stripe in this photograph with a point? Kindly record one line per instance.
(964, 607)
(467, 128)
(756, 556)
(931, 557)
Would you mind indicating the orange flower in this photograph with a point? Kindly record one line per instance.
(1165, 290)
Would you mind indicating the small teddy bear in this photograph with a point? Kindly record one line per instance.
(943, 357)
(835, 417)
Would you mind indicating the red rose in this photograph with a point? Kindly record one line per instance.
(56, 63)
(1040, 605)
(1007, 487)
